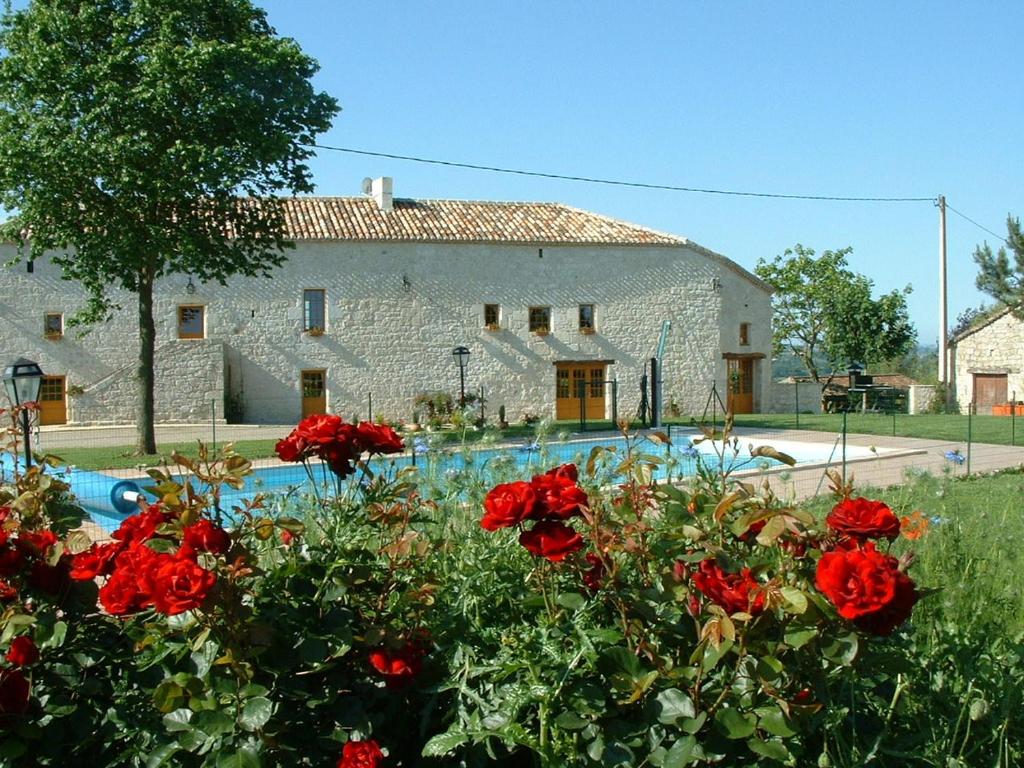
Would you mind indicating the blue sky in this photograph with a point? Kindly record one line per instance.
(865, 99)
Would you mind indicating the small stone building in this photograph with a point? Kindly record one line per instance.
(552, 303)
(987, 363)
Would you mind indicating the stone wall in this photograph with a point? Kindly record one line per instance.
(996, 347)
(919, 398)
(789, 396)
(394, 313)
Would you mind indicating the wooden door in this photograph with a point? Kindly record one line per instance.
(580, 387)
(741, 386)
(314, 392)
(53, 408)
(989, 389)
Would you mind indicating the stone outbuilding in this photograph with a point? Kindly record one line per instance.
(987, 363)
(552, 302)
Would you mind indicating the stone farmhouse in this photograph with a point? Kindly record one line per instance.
(551, 301)
(987, 363)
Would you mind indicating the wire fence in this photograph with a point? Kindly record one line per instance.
(874, 449)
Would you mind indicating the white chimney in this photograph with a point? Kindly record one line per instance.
(381, 190)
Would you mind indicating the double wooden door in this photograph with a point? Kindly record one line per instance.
(989, 389)
(580, 389)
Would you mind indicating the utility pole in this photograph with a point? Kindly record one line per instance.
(943, 321)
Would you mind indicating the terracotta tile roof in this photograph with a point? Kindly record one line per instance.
(359, 218)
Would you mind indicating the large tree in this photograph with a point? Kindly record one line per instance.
(999, 278)
(823, 309)
(141, 138)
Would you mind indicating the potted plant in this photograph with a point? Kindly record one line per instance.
(315, 331)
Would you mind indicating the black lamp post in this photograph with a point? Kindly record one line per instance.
(461, 355)
(22, 380)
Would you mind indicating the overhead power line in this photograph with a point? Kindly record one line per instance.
(979, 226)
(619, 183)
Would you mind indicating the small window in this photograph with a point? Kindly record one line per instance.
(540, 319)
(586, 318)
(191, 321)
(492, 317)
(744, 334)
(314, 313)
(53, 325)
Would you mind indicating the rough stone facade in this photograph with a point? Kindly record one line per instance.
(993, 347)
(792, 396)
(394, 311)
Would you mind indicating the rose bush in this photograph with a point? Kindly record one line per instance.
(583, 617)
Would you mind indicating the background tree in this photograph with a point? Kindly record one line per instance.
(996, 276)
(824, 310)
(142, 138)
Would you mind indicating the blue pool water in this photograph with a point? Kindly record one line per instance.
(444, 466)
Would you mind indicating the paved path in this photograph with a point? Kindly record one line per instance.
(54, 438)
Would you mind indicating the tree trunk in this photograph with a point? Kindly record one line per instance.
(147, 342)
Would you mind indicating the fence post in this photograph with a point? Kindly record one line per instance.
(615, 402)
(796, 402)
(844, 447)
(482, 419)
(894, 419)
(213, 423)
(970, 419)
(369, 406)
(1013, 418)
(583, 405)
(668, 443)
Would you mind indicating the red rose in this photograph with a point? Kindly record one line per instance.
(508, 504)
(11, 561)
(866, 587)
(22, 651)
(568, 471)
(551, 540)
(751, 534)
(7, 592)
(398, 668)
(558, 497)
(121, 594)
(204, 536)
(378, 438)
(13, 693)
(98, 560)
(140, 527)
(339, 457)
(735, 592)
(180, 585)
(361, 754)
(36, 543)
(287, 537)
(864, 519)
(593, 578)
(290, 448)
(319, 429)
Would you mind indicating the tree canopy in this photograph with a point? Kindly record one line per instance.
(999, 278)
(141, 138)
(823, 308)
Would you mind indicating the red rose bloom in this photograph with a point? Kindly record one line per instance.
(180, 585)
(558, 496)
(864, 519)
(593, 578)
(140, 527)
(378, 438)
(98, 560)
(121, 594)
(735, 592)
(508, 504)
(568, 471)
(866, 587)
(398, 668)
(7, 592)
(204, 536)
(290, 449)
(36, 543)
(22, 651)
(361, 754)
(11, 561)
(13, 693)
(551, 540)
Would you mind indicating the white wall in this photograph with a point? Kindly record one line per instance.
(995, 348)
(394, 312)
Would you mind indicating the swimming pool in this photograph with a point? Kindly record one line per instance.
(443, 466)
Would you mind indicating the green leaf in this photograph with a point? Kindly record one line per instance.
(213, 722)
(178, 720)
(735, 725)
(799, 637)
(246, 757)
(772, 720)
(796, 600)
(168, 696)
(842, 649)
(675, 704)
(681, 753)
(570, 721)
(694, 724)
(773, 750)
(255, 713)
(162, 755)
(443, 743)
(571, 600)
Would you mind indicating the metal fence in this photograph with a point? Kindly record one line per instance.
(874, 449)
